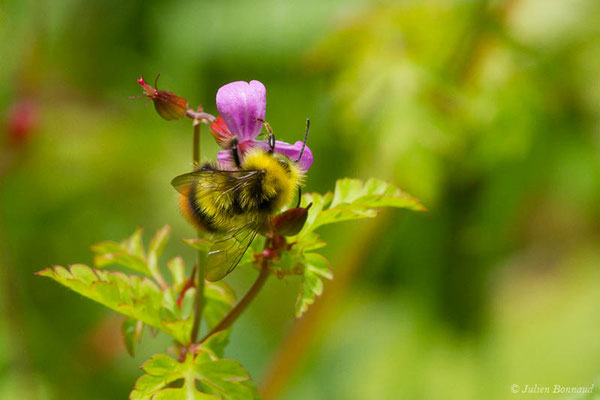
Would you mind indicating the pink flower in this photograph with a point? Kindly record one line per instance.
(242, 107)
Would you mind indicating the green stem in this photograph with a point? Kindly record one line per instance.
(199, 301)
(241, 306)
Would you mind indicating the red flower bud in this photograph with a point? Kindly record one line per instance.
(221, 132)
(21, 120)
(290, 222)
(167, 104)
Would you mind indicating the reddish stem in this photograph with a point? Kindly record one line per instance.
(241, 306)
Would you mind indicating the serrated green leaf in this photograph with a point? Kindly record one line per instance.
(134, 296)
(177, 268)
(155, 250)
(130, 254)
(112, 253)
(346, 191)
(290, 263)
(204, 377)
(309, 242)
(199, 244)
(216, 343)
(316, 267)
(107, 247)
(134, 245)
(354, 199)
(132, 330)
(319, 202)
(187, 303)
(220, 298)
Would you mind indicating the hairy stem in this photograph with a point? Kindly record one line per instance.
(201, 264)
(200, 116)
(244, 302)
(196, 145)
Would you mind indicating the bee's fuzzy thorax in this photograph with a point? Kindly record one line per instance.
(281, 179)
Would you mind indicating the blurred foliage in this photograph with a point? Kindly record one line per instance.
(487, 111)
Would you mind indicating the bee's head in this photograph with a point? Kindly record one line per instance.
(290, 167)
(283, 162)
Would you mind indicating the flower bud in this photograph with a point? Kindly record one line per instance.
(290, 222)
(167, 104)
(21, 120)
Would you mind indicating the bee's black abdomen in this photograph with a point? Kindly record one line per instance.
(259, 200)
(267, 205)
(236, 206)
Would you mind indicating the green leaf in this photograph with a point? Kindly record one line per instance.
(134, 244)
(134, 296)
(216, 343)
(177, 268)
(112, 253)
(187, 303)
(132, 330)
(319, 202)
(355, 199)
(316, 268)
(220, 299)
(203, 376)
(309, 242)
(352, 199)
(157, 245)
(203, 245)
(129, 253)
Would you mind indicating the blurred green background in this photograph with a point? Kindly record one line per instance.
(487, 111)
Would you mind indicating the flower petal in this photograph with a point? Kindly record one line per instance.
(241, 104)
(226, 160)
(292, 151)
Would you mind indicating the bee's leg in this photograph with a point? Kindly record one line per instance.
(270, 133)
(271, 137)
(235, 154)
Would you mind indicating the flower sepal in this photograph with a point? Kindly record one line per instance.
(167, 104)
(221, 133)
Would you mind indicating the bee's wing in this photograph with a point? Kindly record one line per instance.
(227, 251)
(236, 179)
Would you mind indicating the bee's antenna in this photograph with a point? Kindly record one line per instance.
(305, 139)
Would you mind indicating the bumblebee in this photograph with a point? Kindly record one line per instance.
(234, 205)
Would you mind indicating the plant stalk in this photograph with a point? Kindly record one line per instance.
(236, 311)
(201, 262)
